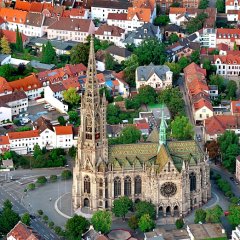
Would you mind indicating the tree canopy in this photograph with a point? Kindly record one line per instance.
(218, 80)
(213, 214)
(71, 96)
(200, 216)
(19, 42)
(131, 65)
(196, 23)
(220, 5)
(26, 219)
(146, 95)
(49, 55)
(203, 4)
(234, 216)
(182, 129)
(161, 20)
(129, 134)
(121, 206)
(145, 223)
(231, 90)
(173, 38)
(79, 54)
(144, 207)
(102, 221)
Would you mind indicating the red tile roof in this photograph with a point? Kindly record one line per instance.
(4, 140)
(63, 130)
(11, 36)
(142, 126)
(13, 15)
(117, 16)
(143, 14)
(222, 46)
(113, 30)
(36, 7)
(23, 5)
(4, 85)
(235, 107)
(28, 83)
(177, 10)
(228, 33)
(218, 124)
(25, 134)
(202, 103)
(71, 83)
(229, 58)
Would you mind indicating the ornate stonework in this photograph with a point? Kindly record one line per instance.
(172, 175)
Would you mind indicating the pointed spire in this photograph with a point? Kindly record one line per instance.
(162, 130)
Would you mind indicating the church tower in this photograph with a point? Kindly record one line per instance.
(162, 130)
(92, 147)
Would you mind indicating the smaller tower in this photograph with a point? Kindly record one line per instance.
(162, 130)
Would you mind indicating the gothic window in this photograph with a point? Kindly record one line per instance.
(169, 166)
(201, 175)
(192, 178)
(117, 186)
(106, 188)
(87, 184)
(97, 127)
(138, 185)
(88, 127)
(100, 193)
(127, 186)
(100, 182)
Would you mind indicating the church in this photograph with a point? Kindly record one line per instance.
(173, 175)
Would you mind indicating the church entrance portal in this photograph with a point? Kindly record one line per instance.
(86, 202)
(176, 211)
(168, 211)
(160, 212)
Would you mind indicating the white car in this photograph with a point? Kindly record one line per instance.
(25, 120)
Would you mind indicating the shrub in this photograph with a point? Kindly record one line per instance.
(179, 223)
(51, 224)
(66, 174)
(45, 218)
(41, 180)
(31, 186)
(53, 178)
(40, 212)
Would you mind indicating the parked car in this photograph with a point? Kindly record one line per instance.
(46, 106)
(226, 213)
(21, 115)
(25, 120)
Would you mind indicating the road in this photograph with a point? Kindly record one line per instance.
(14, 191)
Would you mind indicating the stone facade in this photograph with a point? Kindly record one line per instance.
(174, 175)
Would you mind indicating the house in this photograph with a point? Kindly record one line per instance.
(198, 92)
(213, 91)
(5, 112)
(7, 164)
(143, 126)
(92, 234)
(190, 3)
(64, 136)
(232, 8)
(71, 29)
(227, 65)
(100, 60)
(57, 89)
(17, 101)
(30, 85)
(207, 37)
(119, 54)
(80, 13)
(173, 29)
(34, 25)
(123, 88)
(177, 15)
(206, 231)
(4, 144)
(11, 36)
(22, 231)
(5, 59)
(146, 31)
(228, 37)
(216, 125)
(236, 231)
(112, 34)
(101, 9)
(235, 108)
(158, 77)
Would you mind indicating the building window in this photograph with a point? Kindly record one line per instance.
(138, 185)
(100, 182)
(117, 187)
(192, 178)
(127, 186)
(87, 184)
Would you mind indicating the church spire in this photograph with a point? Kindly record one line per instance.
(91, 86)
(162, 130)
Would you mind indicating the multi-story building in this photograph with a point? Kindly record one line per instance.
(71, 29)
(64, 136)
(228, 36)
(190, 3)
(34, 25)
(235, 108)
(158, 77)
(178, 15)
(207, 37)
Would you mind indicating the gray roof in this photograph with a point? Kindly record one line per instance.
(122, 52)
(3, 56)
(37, 64)
(147, 30)
(145, 72)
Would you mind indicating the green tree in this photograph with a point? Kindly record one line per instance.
(235, 48)
(8, 218)
(7, 155)
(131, 65)
(175, 68)
(31, 186)
(41, 180)
(234, 216)
(66, 174)
(173, 38)
(220, 5)
(109, 61)
(40, 212)
(196, 23)
(195, 57)
(176, 4)
(62, 121)
(235, 200)
(151, 51)
(213, 214)
(203, 4)
(179, 223)
(130, 134)
(26, 219)
(183, 62)
(5, 46)
(133, 222)
(147, 95)
(200, 216)
(121, 206)
(72, 151)
(161, 20)
(71, 96)
(108, 95)
(49, 55)
(146, 223)
(209, 67)
(51, 224)
(73, 116)
(112, 114)
(102, 221)
(79, 54)
(231, 90)
(182, 129)
(19, 42)
(144, 207)
(45, 218)
(172, 97)
(217, 80)
(37, 151)
(6, 71)
(224, 185)
(76, 226)
(53, 178)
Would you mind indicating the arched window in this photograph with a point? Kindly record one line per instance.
(192, 178)
(87, 184)
(100, 182)
(127, 186)
(138, 185)
(117, 187)
(169, 166)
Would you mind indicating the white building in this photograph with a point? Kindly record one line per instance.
(158, 77)
(34, 25)
(4, 144)
(207, 37)
(177, 15)
(64, 136)
(232, 5)
(5, 112)
(238, 179)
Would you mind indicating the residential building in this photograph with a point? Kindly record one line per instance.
(34, 25)
(80, 13)
(227, 65)
(5, 112)
(213, 91)
(123, 86)
(206, 231)
(119, 54)
(165, 5)
(173, 29)
(102, 8)
(4, 87)
(71, 29)
(235, 108)
(190, 3)
(216, 125)
(228, 37)
(57, 89)
(207, 37)
(17, 101)
(159, 77)
(30, 85)
(64, 136)
(231, 6)
(4, 144)
(146, 31)
(198, 92)
(177, 15)
(112, 34)
(11, 36)
(22, 231)
(233, 15)
(236, 232)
